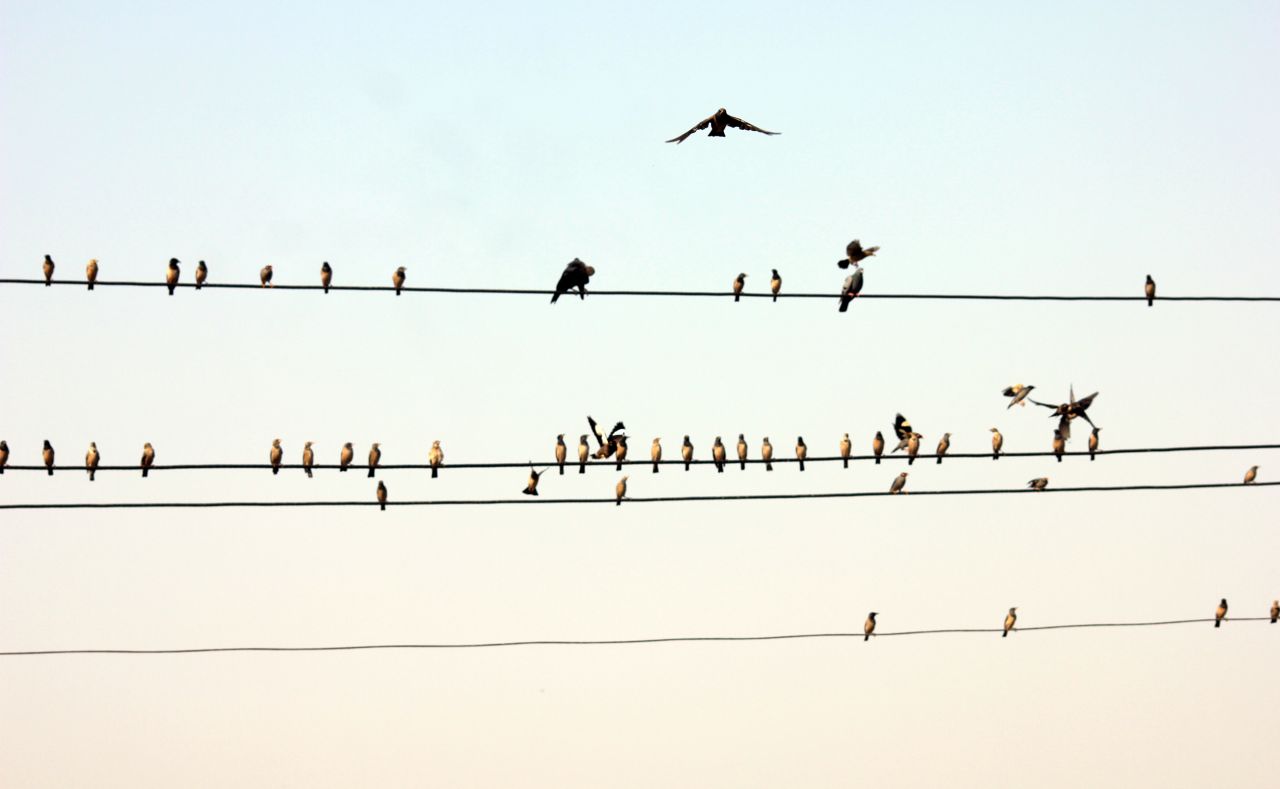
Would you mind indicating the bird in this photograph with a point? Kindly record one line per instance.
(91, 460)
(607, 444)
(1009, 620)
(308, 458)
(717, 455)
(4, 455)
(877, 446)
(899, 483)
(742, 452)
(801, 451)
(1251, 475)
(48, 270)
(1059, 444)
(686, 452)
(766, 453)
(1220, 614)
(620, 490)
(584, 451)
(531, 487)
(775, 284)
(1093, 442)
(48, 456)
(276, 455)
(382, 496)
(1017, 394)
(562, 452)
(855, 254)
(346, 456)
(1039, 483)
(575, 275)
(655, 453)
(326, 275)
(850, 290)
(1069, 410)
(265, 276)
(739, 282)
(997, 441)
(91, 272)
(1150, 291)
(397, 279)
(901, 429)
(202, 273)
(171, 276)
(148, 458)
(913, 447)
(943, 446)
(620, 454)
(375, 454)
(435, 456)
(846, 447)
(869, 626)
(719, 121)
(1275, 608)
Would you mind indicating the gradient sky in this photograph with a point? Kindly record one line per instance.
(996, 147)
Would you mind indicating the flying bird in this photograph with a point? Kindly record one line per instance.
(531, 487)
(846, 447)
(326, 275)
(265, 276)
(1018, 394)
(766, 452)
(775, 284)
(1010, 619)
(869, 627)
(686, 452)
(148, 458)
(1072, 409)
(277, 454)
(382, 496)
(1039, 483)
(48, 456)
(1220, 614)
(375, 454)
(608, 444)
(719, 121)
(850, 290)
(739, 282)
(562, 452)
(899, 483)
(171, 276)
(202, 273)
(943, 446)
(584, 452)
(802, 451)
(346, 456)
(655, 454)
(1093, 442)
(4, 455)
(877, 446)
(1251, 475)
(1150, 291)
(91, 272)
(855, 254)
(997, 442)
(742, 453)
(397, 279)
(435, 456)
(91, 460)
(575, 275)
(48, 267)
(308, 458)
(620, 490)
(717, 455)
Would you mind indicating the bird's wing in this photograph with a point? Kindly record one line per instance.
(702, 125)
(739, 123)
(1084, 402)
(1064, 427)
(1044, 405)
(854, 250)
(596, 430)
(855, 286)
(901, 427)
(1009, 391)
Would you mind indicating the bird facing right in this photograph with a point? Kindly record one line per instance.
(397, 279)
(171, 276)
(1220, 614)
(1150, 291)
(1010, 619)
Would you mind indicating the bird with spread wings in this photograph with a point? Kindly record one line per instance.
(1069, 410)
(608, 445)
(719, 121)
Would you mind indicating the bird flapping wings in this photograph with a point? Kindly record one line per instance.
(596, 431)
(901, 427)
(739, 123)
(727, 119)
(854, 253)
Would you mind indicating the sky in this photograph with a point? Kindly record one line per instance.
(987, 148)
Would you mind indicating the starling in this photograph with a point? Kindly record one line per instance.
(148, 458)
(846, 447)
(308, 458)
(202, 273)
(877, 446)
(855, 254)
(801, 451)
(1251, 475)
(686, 452)
(1039, 483)
(719, 121)
(899, 483)
(171, 276)
(717, 455)
(869, 626)
(265, 276)
(436, 458)
(997, 442)
(1009, 620)
(4, 455)
(382, 496)
(277, 454)
(621, 451)
(584, 451)
(1150, 290)
(1220, 614)
(901, 429)
(943, 446)
(1017, 394)
(562, 452)
(48, 456)
(739, 282)
(655, 454)
(91, 460)
(742, 453)
(91, 272)
(48, 270)
(766, 453)
(326, 275)
(1093, 442)
(913, 447)
(375, 454)
(575, 275)
(620, 490)
(850, 290)
(347, 455)
(1275, 608)
(1059, 444)
(397, 279)
(531, 487)
(775, 284)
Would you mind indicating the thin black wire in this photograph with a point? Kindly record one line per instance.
(142, 505)
(640, 462)
(612, 641)
(659, 293)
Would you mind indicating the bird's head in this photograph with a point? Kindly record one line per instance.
(582, 438)
(401, 270)
(275, 443)
(872, 615)
(559, 437)
(775, 273)
(325, 266)
(347, 445)
(721, 112)
(173, 262)
(376, 445)
(1013, 610)
(591, 271)
(201, 265)
(436, 444)
(624, 479)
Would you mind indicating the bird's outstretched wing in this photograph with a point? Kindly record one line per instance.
(1043, 405)
(1064, 427)
(701, 125)
(1010, 391)
(739, 123)
(901, 427)
(596, 430)
(1083, 403)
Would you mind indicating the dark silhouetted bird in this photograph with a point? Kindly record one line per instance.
(575, 275)
(1150, 290)
(1059, 444)
(382, 496)
(202, 273)
(4, 455)
(719, 121)
(901, 429)
(375, 454)
(48, 268)
(1039, 483)
(775, 284)
(397, 279)
(326, 275)
(802, 451)
(48, 456)
(850, 290)
(607, 444)
(1220, 614)
(1010, 619)
(345, 457)
(1275, 611)
(739, 282)
(620, 454)
(1069, 410)
(877, 446)
(91, 272)
(171, 276)
(855, 254)
(584, 452)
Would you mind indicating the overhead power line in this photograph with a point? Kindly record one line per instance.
(598, 463)
(532, 500)
(618, 641)
(833, 295)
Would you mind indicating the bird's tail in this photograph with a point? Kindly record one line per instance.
(1150, 302)
(1091, 456)
(939, 460)
(382, 507)
(144, 473)
(308, 473)
(582, 468)
(866, 637)
(1059, 458)
(877, 460)
(371, 472)
(911, 460)
(276, 470)
(655, 467)
(802, 464)
(170, 290)
(843, 263)
(51, 472)
(326, 288)
(768, 466)
(846, 462)
(435, 472)
(555, 297)
(618, 502)
(719, 468)
(91, 473)
(1217, 623)
(737, 297)
(199, 285)
(619, 466)
(742, 464)
(1005, 634)
(995, 455)
(844, 305)
(686, 465)
(775, 297)
(90, 286)
(561, 469)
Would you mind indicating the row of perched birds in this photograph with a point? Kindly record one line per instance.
(1011, 619)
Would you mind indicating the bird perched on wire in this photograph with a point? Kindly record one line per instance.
(1093, 442)
(308, 458)
(742, 452)
(265, 276)
(375, 454)
(1220, 614)
(397, 279)
(1275, 611)
(854, 254)
(997, 443)
(899, 483)
(655, 453)
(719, 121)
(91, 272)
(621, 452)
(850, 290)
(739, 282)
(345, 457)
(575, 275)
(1059, 444)
(435, 456)
(584, 452)
(1150, 291)
(531, 487)
(717, 455)
(766, 453)
(202, 273)
(802, 451)
(171, 276)
(148, 458)
(562, 452)
(1010, 619)
(913, 447)
(1039, 483)
(620, 490)
(943, 446)
(869, 626)
(277, 454)
(846, 448)
(877, 446)
(775, 284)
(686, 452)
(326, 275)
(1251, 475)
(48, 455)
(48, 268)
(382, 496)
(91, 460)
(4, 455)
(1017, 394)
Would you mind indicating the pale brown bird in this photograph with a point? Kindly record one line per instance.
(4, 455)
(397, 279)
(265, 276)
(91, 272)
(382, 496)
(1017, 395)
(1150, 291)
(49, 266)
(766, 453)
(877, 446)
(913, 447)
(943, 446)
(655, 454)
(775, 284)
(172, 274)
(1093, 442)
(148, 458)
(802, 451)
(742, 452)
(717, 455)
(854, 254)
(375, 454)
(1251, 475)
(347, 455)
(869, 626)
(686, 452)
(531, 487)
(1220, 614)
(584, 452)
(308, 458)
(326, 275)
(277, 454)
(48, 456)
(1275, 611)
(846, 448)
(620, 490)
(621, 451)
(1010, 619)
(997, 442)
(739, 282)
(1059, 445)
(436, 458)
(899, 483)
(91, 460)
(202, 273)
(719, 121)
(562, 452)
(1039, 483)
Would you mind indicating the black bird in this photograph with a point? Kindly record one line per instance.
(719, 121)
(855, 254)
(852, 287)
(576, 275)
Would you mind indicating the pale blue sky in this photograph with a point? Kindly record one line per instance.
(994, 147)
